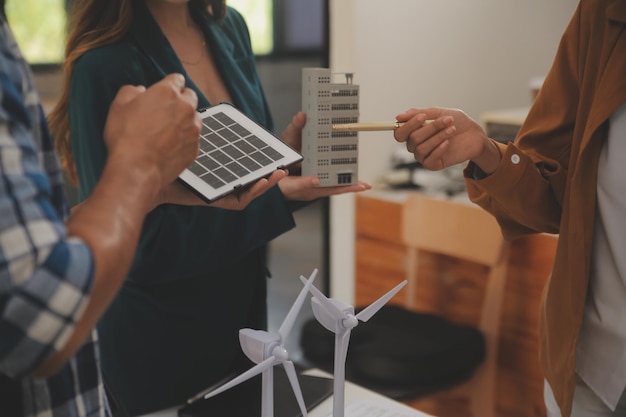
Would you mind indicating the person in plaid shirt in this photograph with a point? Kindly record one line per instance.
(59, 272)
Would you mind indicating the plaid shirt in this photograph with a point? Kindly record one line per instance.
(45, 277)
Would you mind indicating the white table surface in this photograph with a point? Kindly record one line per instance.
(353, 392)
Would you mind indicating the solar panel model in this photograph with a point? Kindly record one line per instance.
(234, 152)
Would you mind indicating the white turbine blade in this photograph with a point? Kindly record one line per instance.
(255, 370)
(287, 324)
(325, 302)
(295, 385)
(373, 308)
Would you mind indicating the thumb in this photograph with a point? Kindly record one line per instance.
(128, 93)
(295, 126)
(176, 80)
(299, 120)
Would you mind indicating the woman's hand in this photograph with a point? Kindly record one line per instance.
(297, 188)
(308, 188)
(449, 138)
(177, 193)
(292, 135)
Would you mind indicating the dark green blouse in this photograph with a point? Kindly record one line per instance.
(199, 274)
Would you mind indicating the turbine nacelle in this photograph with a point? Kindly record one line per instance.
(336, 319)
(259, 345)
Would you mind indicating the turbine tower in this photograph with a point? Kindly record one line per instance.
(339, 318)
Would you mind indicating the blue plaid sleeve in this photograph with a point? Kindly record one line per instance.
(45, 277)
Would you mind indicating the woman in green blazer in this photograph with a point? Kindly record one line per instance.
(200, 272)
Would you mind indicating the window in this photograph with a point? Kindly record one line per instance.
(39, 27)
(285, 27)
(277, 27)
(303, 25)
(258, 15)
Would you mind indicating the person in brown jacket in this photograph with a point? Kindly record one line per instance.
(563, 174)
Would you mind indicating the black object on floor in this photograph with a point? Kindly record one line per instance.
(400, 353)
(245, 398)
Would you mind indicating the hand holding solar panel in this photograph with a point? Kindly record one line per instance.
(234, 152)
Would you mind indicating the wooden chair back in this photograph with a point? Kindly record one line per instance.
(464, 231)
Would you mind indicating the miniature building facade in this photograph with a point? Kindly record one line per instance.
(332, 156)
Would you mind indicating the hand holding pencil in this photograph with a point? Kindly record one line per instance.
(451, 138)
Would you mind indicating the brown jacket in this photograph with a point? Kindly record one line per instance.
(547, 179)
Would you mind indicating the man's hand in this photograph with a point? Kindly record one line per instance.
(157, 128)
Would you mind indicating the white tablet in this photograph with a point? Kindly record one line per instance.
(234, 152)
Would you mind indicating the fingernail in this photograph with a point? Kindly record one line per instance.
(179, 79)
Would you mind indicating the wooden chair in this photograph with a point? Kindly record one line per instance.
(466, 232)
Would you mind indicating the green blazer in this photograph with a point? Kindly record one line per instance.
(200, 272)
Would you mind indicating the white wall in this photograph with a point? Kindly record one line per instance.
(477, 55)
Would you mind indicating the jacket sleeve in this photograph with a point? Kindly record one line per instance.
(526, 192)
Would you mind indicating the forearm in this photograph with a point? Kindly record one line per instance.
(109, 221)
(489, 159)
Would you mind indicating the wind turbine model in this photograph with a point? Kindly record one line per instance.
(266, 350)
(339, 318)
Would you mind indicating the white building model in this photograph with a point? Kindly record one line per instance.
(332, 156)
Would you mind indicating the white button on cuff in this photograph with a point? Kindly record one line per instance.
(515, 158)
